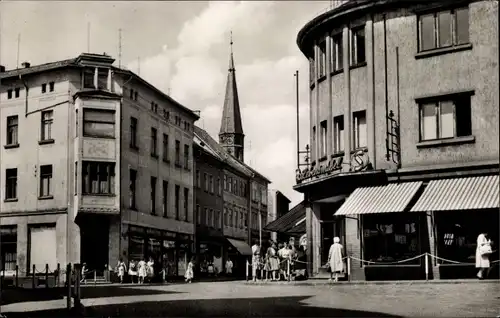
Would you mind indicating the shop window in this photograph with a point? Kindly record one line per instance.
(12, 130)
(136, 247)
(358, 54)
(8, 248)
(98, 123)
(359, 127)
(42, 244)
(322, 59)
(336, 59)
(391, 238)
(98, 177)
(132, 188)
(323, 136)
(442, 29)
(446, 118)
(47, 119)
(154, 142)
(338, 134)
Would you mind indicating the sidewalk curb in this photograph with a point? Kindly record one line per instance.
(320, 282)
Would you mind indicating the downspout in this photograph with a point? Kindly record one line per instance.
(373, 94)
(386, 93)
(68, 186)
(26, 96)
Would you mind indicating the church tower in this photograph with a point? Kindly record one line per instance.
(231, 135)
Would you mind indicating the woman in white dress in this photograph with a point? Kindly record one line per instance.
(132, 271)
(335, 259)
(142, 271)
(189, 275)
(121, 268)
(150, 269)
(483, 251)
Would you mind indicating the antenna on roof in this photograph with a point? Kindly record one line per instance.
(88, 37)
(18, 48)
(138, 65)
(119, 48)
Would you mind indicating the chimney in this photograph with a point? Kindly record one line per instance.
(26, 64)
(2, 68)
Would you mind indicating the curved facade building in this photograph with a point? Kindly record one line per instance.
(404, 136)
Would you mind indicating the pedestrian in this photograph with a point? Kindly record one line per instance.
(272, 261)
(141, 271)
(121, 268)
(229, 267)
(84, 273)
(132, 271)
(189, 275)
(335, 259)
(483, 251)
(286, 254)
(255, 260)
(150, 269)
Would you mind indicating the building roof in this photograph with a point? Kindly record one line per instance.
(288, 221)
(231, 114)
(213, 146)
(79, 62)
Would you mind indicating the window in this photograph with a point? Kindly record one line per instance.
(165, 148)
(98, 123)
(154, 146)
(11, 184)
(88, 78)
(314, 138)
(186, 156)
(217, 219)
(51, 86)
(211, 182)
(186, 203)
(322, 59)
(358, 46)
(338, 134)
(47, 119)
(230, 217)
(12, 130)
(46, 181)
(336, 59)
(206, 217)
(166, 115)
(133, 132)
(154, 107)
(391, 239)
(205, 180)
(178, 152)
(44, 88)
(198, 214)
(98, 177)
(102, 78)
(9, 94)
(136, 95)
(165, 198)
(42, 245)
(8, 248)
(177, 201)
(324, 135)
(153, 195)
(242, 225)
(225, 183)
(443, 29)
(359, 133)
(131, 94)
(17, 92)
(218, 186)
(197, 179)
(132, 188)
(230, 185)
(235, 186)
(312, 71)
(264, 196)
(445, 118)
(226, 219)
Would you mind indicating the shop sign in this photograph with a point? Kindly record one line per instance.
(153, 232)
(135, 229)
(168, 234)
(334, 165)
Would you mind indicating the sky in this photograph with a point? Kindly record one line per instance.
(182, 47)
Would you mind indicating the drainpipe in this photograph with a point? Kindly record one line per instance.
(26, 97)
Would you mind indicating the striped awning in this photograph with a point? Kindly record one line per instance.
(460, 194)
(393, 197)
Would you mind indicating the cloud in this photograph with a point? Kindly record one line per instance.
(195, 70)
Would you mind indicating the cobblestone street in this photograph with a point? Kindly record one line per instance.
(231, 299)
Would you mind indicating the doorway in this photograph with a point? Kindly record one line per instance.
(94, 236)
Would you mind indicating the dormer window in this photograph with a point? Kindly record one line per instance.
(102, 78)
(88, 78)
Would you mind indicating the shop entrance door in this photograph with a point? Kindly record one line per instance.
(94, 235)
(327, 234)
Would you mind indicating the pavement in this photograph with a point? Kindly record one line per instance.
(231, 299)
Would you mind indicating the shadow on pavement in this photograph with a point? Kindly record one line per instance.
(247, 307)
(18, 295)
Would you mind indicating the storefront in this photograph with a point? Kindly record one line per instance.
(291, 224)
(170, 251)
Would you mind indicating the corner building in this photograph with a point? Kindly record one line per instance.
(424, 180)
(96, 165)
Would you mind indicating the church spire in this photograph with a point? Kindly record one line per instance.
(231, 135)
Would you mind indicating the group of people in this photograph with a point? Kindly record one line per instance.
(138, 271)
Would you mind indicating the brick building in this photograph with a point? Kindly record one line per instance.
(96, 165)
(404, 135)
(231, 197)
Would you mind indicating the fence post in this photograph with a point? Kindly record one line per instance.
(68, 283)
(95, 277)
(288, 269)
(246, 269)
(348, 268)
(46, 275)
(78, 272)
(17, 276)
(33, 277)
(426, 266)
(58, 274)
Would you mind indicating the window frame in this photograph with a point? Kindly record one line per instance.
(337, 46)
(87, 180)
(46, 173)
(177, 201)
(134, 123)
(338, 143)
(323, 138)
(154, 142)
(46, 123)
(165, 198)
(11, 184)
(186, 156)
(354, 56)
(355, 134)
(12, 133)
(153, 183)
(133, 189)
(177, 153)
(86, 72)
(102, 121)
(166, 142)
(322, 58)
